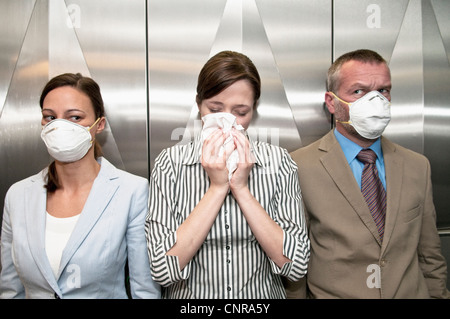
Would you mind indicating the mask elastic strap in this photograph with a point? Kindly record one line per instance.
(340, 98)
(94, 123)
(343, 122)
(92, 140)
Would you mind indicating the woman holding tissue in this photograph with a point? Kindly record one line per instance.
(226, 216)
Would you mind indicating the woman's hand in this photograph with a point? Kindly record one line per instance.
(239, 179)
(215, 162)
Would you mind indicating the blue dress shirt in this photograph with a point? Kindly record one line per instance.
(351, 149)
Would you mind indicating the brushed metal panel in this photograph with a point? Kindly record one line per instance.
(441, 12)
(274, 113)
(111, 36)
(406, 64)
(367, 24)
(436, 78)
(22, 151)
(299, 33)
(14, 16)
(64, 51)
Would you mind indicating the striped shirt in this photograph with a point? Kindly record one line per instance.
(230, 263)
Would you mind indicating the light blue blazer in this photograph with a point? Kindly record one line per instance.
(109, 231)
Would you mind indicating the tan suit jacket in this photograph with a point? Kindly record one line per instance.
(348, 259)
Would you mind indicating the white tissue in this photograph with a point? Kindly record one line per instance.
(224, 121)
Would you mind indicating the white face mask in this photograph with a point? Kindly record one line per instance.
(369, 115)
(67, 141)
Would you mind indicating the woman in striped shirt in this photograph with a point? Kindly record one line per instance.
(211, 236)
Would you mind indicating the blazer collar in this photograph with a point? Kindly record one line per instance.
(102, 191)
(35, 197)
(335, 163)
(393, 164)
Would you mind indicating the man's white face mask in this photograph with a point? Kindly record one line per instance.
(67, 141)
(369, 115)
(224, 121)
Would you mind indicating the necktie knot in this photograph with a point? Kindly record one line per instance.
(367, 156)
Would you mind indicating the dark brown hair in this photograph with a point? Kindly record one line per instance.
(85, 85)
(224, 69)
(361, 55)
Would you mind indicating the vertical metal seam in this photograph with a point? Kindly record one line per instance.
(147, 89)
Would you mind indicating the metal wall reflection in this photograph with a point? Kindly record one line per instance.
(146, 56)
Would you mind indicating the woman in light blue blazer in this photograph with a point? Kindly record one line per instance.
(69, 230)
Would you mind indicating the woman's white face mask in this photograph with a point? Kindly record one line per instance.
(369, 115)
(67, 141)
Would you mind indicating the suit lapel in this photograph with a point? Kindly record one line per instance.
(393, 166)
(35, 198)
(335, 163)
(103, 189)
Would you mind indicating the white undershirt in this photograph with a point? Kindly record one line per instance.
(57, 233)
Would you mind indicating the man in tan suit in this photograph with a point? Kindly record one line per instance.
(350, 256)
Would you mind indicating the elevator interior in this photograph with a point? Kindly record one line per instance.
(146, 56)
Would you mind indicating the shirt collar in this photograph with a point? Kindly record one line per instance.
(254, 147)
(192, 152)
(351, 149)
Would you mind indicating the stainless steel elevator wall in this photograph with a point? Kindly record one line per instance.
(146, 56)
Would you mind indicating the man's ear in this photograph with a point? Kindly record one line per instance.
(329, 101)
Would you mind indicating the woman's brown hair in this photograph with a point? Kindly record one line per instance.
(224, 69)
(87, 86)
